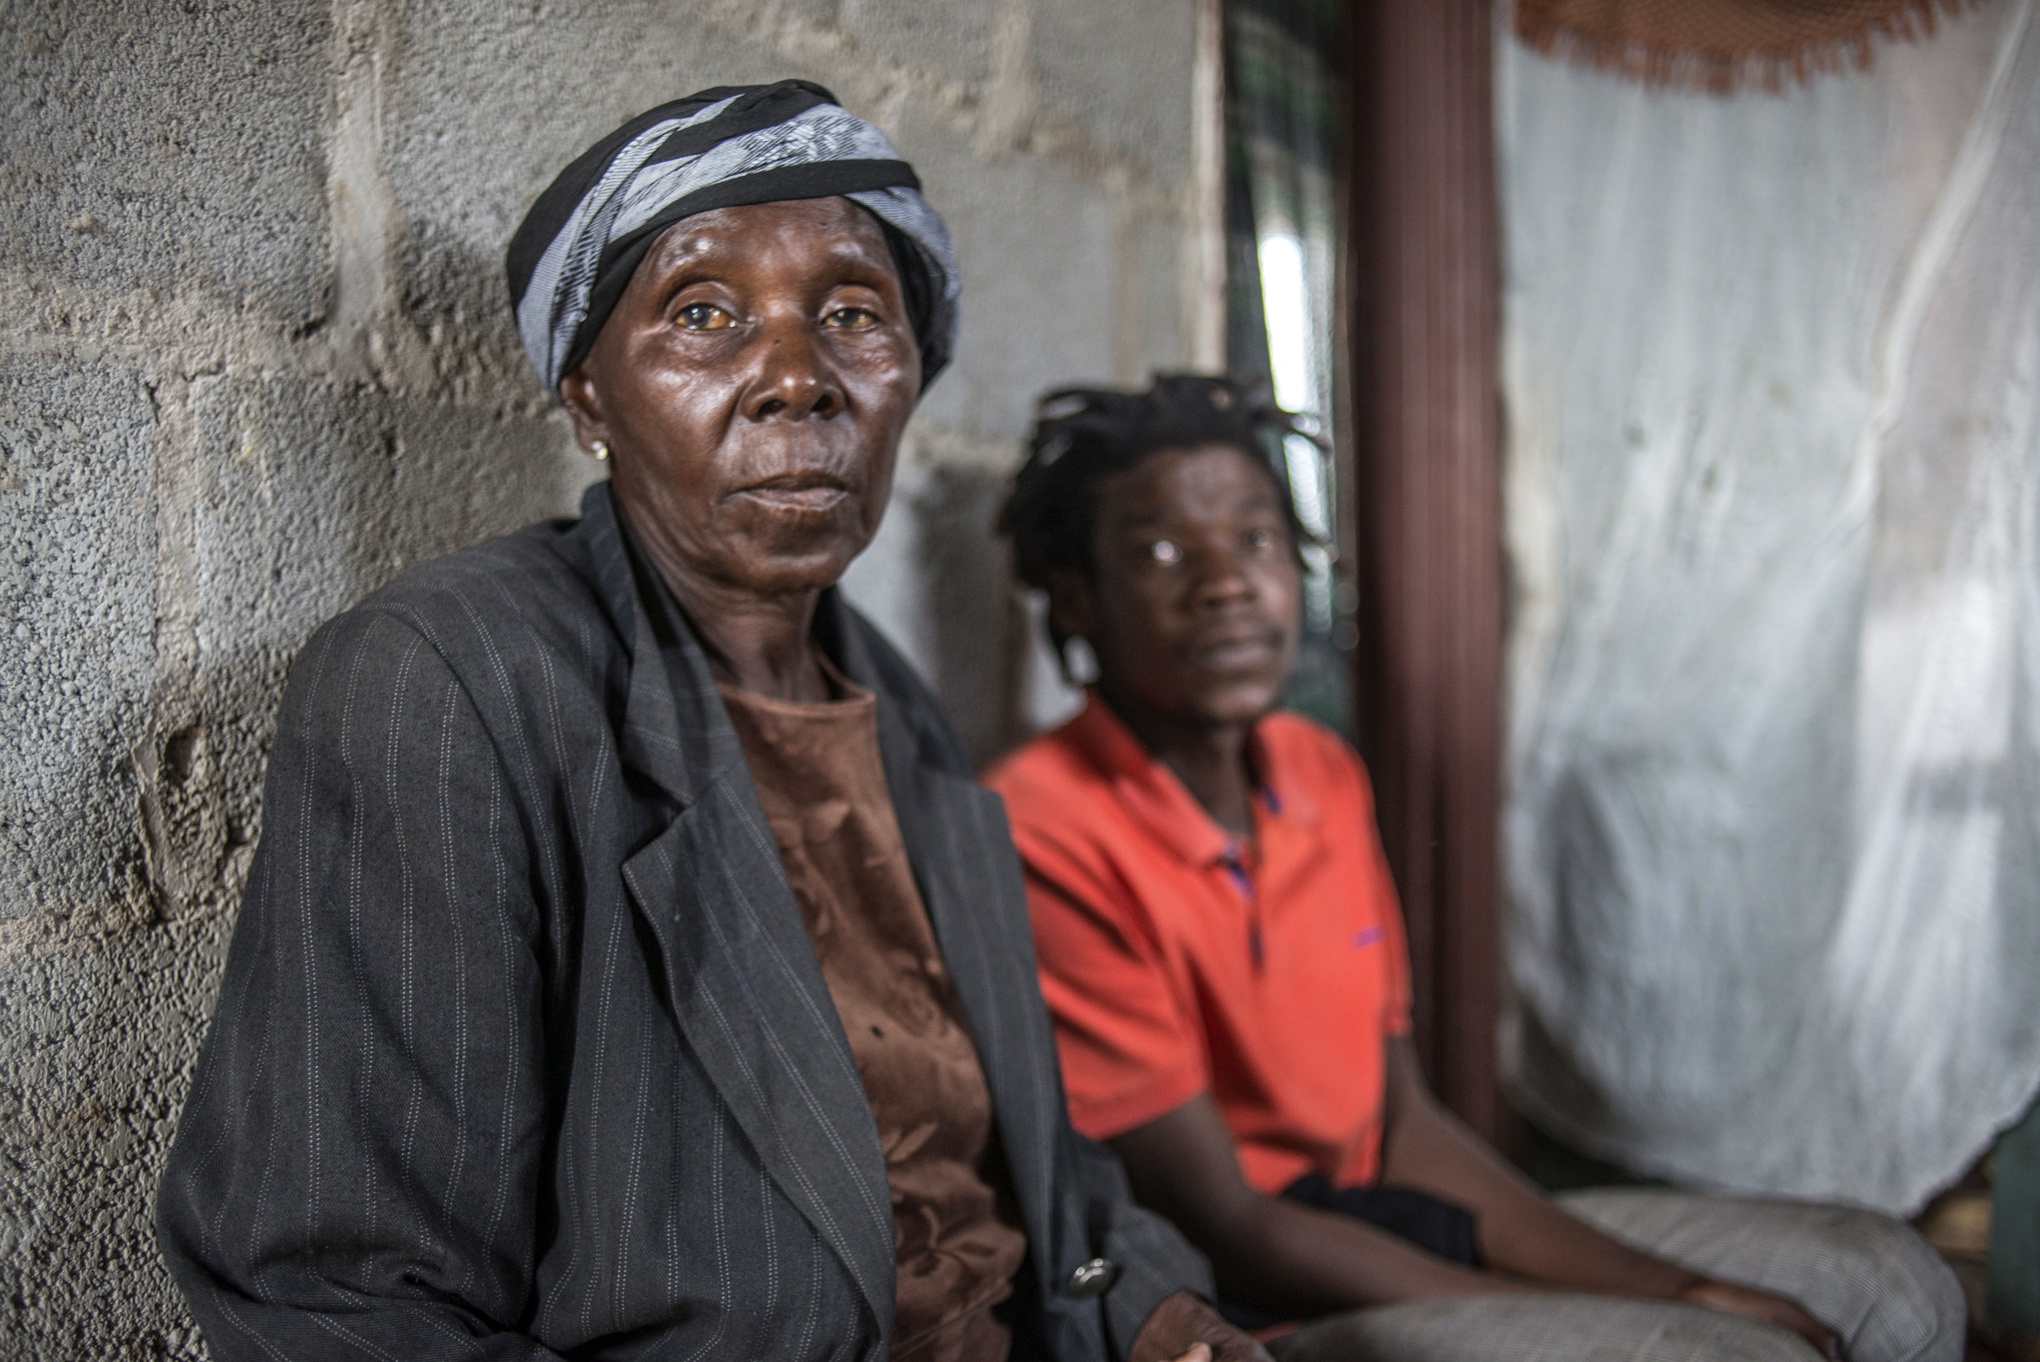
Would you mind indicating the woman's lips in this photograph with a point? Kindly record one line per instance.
(798, 492)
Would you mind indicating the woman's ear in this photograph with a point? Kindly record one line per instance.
(584, 405)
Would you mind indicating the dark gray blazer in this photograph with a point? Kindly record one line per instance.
(522, 1049)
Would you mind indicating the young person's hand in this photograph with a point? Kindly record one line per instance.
(1185, 1329)
(1747, 1300)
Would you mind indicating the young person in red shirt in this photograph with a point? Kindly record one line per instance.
(1221, 949)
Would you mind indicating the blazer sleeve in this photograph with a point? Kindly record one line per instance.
(355, 1172)
(1155, 1260)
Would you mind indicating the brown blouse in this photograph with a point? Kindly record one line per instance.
(823, 789)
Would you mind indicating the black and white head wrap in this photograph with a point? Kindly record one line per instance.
(585, 236)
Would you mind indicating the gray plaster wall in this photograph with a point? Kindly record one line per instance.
(255, 359)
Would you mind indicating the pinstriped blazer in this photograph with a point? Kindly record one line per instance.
(522, 1050)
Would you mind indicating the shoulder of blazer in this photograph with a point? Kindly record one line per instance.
(491, 611)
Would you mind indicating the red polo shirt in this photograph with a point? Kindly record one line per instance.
(1178, 960)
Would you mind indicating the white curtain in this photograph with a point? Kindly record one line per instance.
(1772, 367)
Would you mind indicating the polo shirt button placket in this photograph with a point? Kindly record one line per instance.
(1236, 866)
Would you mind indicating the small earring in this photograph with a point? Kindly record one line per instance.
(600, 450)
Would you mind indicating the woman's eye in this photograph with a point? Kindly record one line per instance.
(851, 319)
(705, 317)
(1165, 552)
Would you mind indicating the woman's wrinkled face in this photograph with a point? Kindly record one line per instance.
(752, 385)
(1192, 604)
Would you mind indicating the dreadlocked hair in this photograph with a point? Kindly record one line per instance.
(1084, 435)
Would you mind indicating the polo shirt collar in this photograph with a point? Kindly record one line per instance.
(1157, 798)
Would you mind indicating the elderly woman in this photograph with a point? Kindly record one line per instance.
(629, 967)
(1223, 955)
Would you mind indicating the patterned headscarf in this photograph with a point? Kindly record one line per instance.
(585, 236)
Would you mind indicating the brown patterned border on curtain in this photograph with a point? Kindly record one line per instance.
(1724, 45)
(1421, 366)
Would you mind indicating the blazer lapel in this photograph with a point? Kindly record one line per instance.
(749, 997)
(745, 987)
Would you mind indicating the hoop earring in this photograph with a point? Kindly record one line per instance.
(599, 451)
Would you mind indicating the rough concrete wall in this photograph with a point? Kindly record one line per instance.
(255, 358)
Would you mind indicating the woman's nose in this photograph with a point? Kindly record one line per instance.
(795, 378)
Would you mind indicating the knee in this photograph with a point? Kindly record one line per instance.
(1912, 1308)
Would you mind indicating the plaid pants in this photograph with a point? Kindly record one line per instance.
(1867, 1276)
